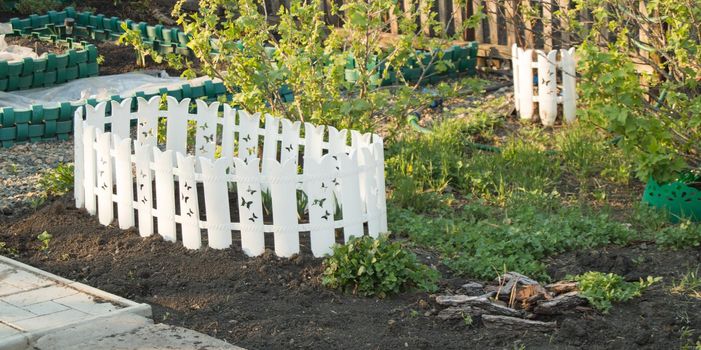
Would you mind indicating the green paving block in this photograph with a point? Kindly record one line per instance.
(25, 82)
(70, 12)
(8, 134)
(17, 24)
(167, 35)
(40, 64)
(197, 91)
(61, 61)
(64, 127)
(82, 70)
(36, 131)
(65, 111)
(38, 80)
(52, 113)
(57, 18)
(8, 116)
(49, 78)
(78, 56)
(83, 19)
(72, 73)
(22, 116)
(14, 68)
(183, 38)
(37, 114)
(60, 76)
(37, 21)
(3, 69)
(12, 83)
(93, 69)
(49, 128)
(3, 84)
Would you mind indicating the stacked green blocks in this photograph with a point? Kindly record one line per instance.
(80, 61)
(47, 123)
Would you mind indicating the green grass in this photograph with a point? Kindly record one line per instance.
(545, 193)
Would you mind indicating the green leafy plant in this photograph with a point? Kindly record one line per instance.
(376, 267)
(657, 125)
(601, 289)
(45, 239)
(58, 181)
(132, 37)
(689, 284)
(5, 250)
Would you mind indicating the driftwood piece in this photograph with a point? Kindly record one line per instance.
(560, 304)
(473, 288)
(517, 278)
(481, 302)
(459, 312)
(516, 324)
(562, 287)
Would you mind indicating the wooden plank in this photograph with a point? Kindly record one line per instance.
(547, 24)
(492, 13)
(457, 13)
(424, 7)
(528, 25)
(444, 15)
(479, 29)
(510, 19)
(564, 25)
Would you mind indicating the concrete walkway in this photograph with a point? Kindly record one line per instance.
(42, 311)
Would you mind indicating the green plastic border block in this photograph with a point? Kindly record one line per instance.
(678, 199)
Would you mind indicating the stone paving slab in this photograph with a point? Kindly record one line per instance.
(34, 303)
(127, 332)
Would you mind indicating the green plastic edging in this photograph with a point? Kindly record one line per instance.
(43, 122)
(678, 199)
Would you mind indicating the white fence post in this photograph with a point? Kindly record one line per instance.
(104, 179)
(189, 205)
(78, 160)
(216, 200)
(284, 195)
(549, 94)
(250, 203)
(124, 180)
(165, 198)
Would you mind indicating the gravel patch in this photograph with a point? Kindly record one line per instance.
(21, 168)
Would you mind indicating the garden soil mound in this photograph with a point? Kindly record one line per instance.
(273, 303)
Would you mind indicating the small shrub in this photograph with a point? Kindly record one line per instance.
(58, 181)
(601, 290)
(376, 267)
(45, 239)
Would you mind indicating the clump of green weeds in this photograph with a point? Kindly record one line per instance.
(604, 289)
(376, 267)
(58, 181)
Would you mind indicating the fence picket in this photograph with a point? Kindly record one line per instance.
(89, 161)
(165, 201)
(290, 141)
(352, 205)
(95, 116)
(380, 178)
(525, 80)
(144, 185)
(248, 136)
(216, 200)
(78, 160)
(227, 143)
(176, 127)
(321, 202)
(104, 179)
(250, 202)
(569, 85)
(368, 189)
(547, 87)
(121, 118)
(313, 139)
(147, 120)
(206, 134)
(189, 205)
(284, 195)
(124, 181)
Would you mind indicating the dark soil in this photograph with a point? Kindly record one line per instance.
(273, 303)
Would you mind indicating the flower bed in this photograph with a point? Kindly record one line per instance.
(44, 122)
(79, 62)
(234, 177)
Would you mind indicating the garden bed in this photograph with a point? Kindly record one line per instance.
(268, 302)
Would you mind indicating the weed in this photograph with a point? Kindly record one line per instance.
(5, 250)
(100, 59)
(376, 267)
(467, 319)
(601, 290)
(45, 239)
(58, 181)
(690, 284)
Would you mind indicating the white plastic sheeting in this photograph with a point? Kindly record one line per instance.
(102, 87)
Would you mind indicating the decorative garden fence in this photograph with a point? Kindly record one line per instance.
(544, 88)
(231, 176)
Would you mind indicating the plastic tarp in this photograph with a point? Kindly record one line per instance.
(102, 87)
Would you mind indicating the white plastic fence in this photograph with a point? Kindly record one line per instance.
(239, 172)
(546, 93)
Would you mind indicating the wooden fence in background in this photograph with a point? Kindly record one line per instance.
(502, 26)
